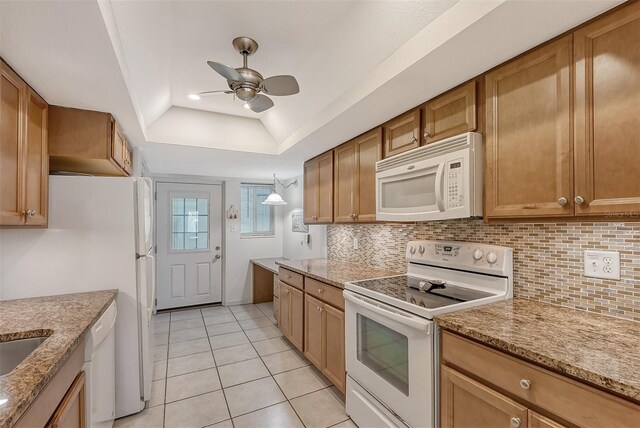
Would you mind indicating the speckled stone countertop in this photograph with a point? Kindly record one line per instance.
(597, 349)
(64, 319)
(334, 272)
(269, 264)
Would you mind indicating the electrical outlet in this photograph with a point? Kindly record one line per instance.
(602, 264)
(355, 243)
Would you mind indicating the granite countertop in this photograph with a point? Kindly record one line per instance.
(64, 319)
(596, 349)
(269, 264)
(334, 272)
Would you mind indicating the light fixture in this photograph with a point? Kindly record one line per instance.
(194, 97)
(274, 198)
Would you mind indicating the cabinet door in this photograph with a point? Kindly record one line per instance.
(345, 176)
(451, 113)
(313, 330)
(607, 103)
(71, 411)
(325, 188)
(128, 157)
(528, 139)
(296, 307)
(11, 138)
(334, 358)
(402, 133)
(465, 403)
(310, 196)
(368, 150)
(118, 147)
(284, 320)
(538, 421)
(36, 159)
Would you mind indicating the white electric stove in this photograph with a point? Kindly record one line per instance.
(391, 342)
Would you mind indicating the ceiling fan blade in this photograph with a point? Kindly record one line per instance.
(280, 85)
(225, 71)
(205, 93)
(260, 103)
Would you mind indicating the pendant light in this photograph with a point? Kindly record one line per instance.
(274, 198)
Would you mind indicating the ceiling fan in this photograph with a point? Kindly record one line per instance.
(247, 84)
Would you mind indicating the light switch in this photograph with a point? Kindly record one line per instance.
(233, 227)
(602, 264)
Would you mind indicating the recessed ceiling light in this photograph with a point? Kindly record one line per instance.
(194, 97)
(246, 105)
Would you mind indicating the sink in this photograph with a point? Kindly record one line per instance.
(14, 352)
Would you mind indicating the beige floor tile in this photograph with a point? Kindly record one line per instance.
(196, 412)
(227, 327)
(160, 318)
(161, 327)
(186, 324)
(226, 340)
(278, 416)
(190, 363)
(223, 424)
(250, 396)
(160, 352)
(189, 347)
(304, 380)
(157, 393)
(283, 361)
(152, 417)
(320, 409)
(192, 384)
(248, 315)
(219, 319)
(273, 319)
(241, 372)
(346, 424)
(243, 308)
(233, 354)
(184, 335)
(159, 370)
(185, 315)
(215, 310)
(160, 339)
(263, 333)
(272, 346)
(255, 323)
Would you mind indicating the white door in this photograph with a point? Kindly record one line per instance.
(189, 244)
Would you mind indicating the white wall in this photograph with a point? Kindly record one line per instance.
(238, 251)
(294, 243)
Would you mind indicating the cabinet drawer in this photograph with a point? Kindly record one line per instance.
(564, 397)
(325, 292)
(291, 278)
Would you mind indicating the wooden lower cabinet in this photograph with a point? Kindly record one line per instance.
(71, 411)
(291, 321)
(284, 317)
(538, 421)
(313, 330)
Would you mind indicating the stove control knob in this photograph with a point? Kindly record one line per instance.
(412, 250)
(492, 258)
(422, 284)
(421, 249)
(477, 255)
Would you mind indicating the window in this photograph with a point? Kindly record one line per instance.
(190, 224)
(256, 219)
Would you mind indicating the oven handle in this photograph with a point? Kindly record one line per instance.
(389, 312)
(439, 180)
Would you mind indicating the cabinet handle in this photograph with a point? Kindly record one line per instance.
(515, 422)
(30, 213)
(320, 308)
(562, 201)
(320, 290)
(426, 134)
(287, 276)
(525, 383)
(529, 206)
(286, 290)
(414, 140)
(578, 200)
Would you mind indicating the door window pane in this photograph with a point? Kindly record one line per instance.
(384, 351)
(190, 218)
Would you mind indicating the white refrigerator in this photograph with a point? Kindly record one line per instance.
(100, 236)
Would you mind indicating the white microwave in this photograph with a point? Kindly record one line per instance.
(439, 181)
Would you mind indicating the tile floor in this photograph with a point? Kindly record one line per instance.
(231, 367)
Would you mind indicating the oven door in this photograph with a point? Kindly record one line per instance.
(390, 353)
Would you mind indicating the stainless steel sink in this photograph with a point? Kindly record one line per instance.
(14, 352)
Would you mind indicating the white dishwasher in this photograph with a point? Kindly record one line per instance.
(100, 370)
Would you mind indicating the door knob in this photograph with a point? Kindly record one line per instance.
(216, 257)
(217, 247)
(578, 200)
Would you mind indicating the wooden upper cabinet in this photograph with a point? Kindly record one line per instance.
(402, 133)
(355, 178)
(607, 114)
(86, 141)
(24, 173)
(318, 189)
(529, 165)
(450, 114)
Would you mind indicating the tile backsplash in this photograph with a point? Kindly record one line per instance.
(548, 257)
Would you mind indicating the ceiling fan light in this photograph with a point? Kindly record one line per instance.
(274, 199)
(246, 94)
(194, 97)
